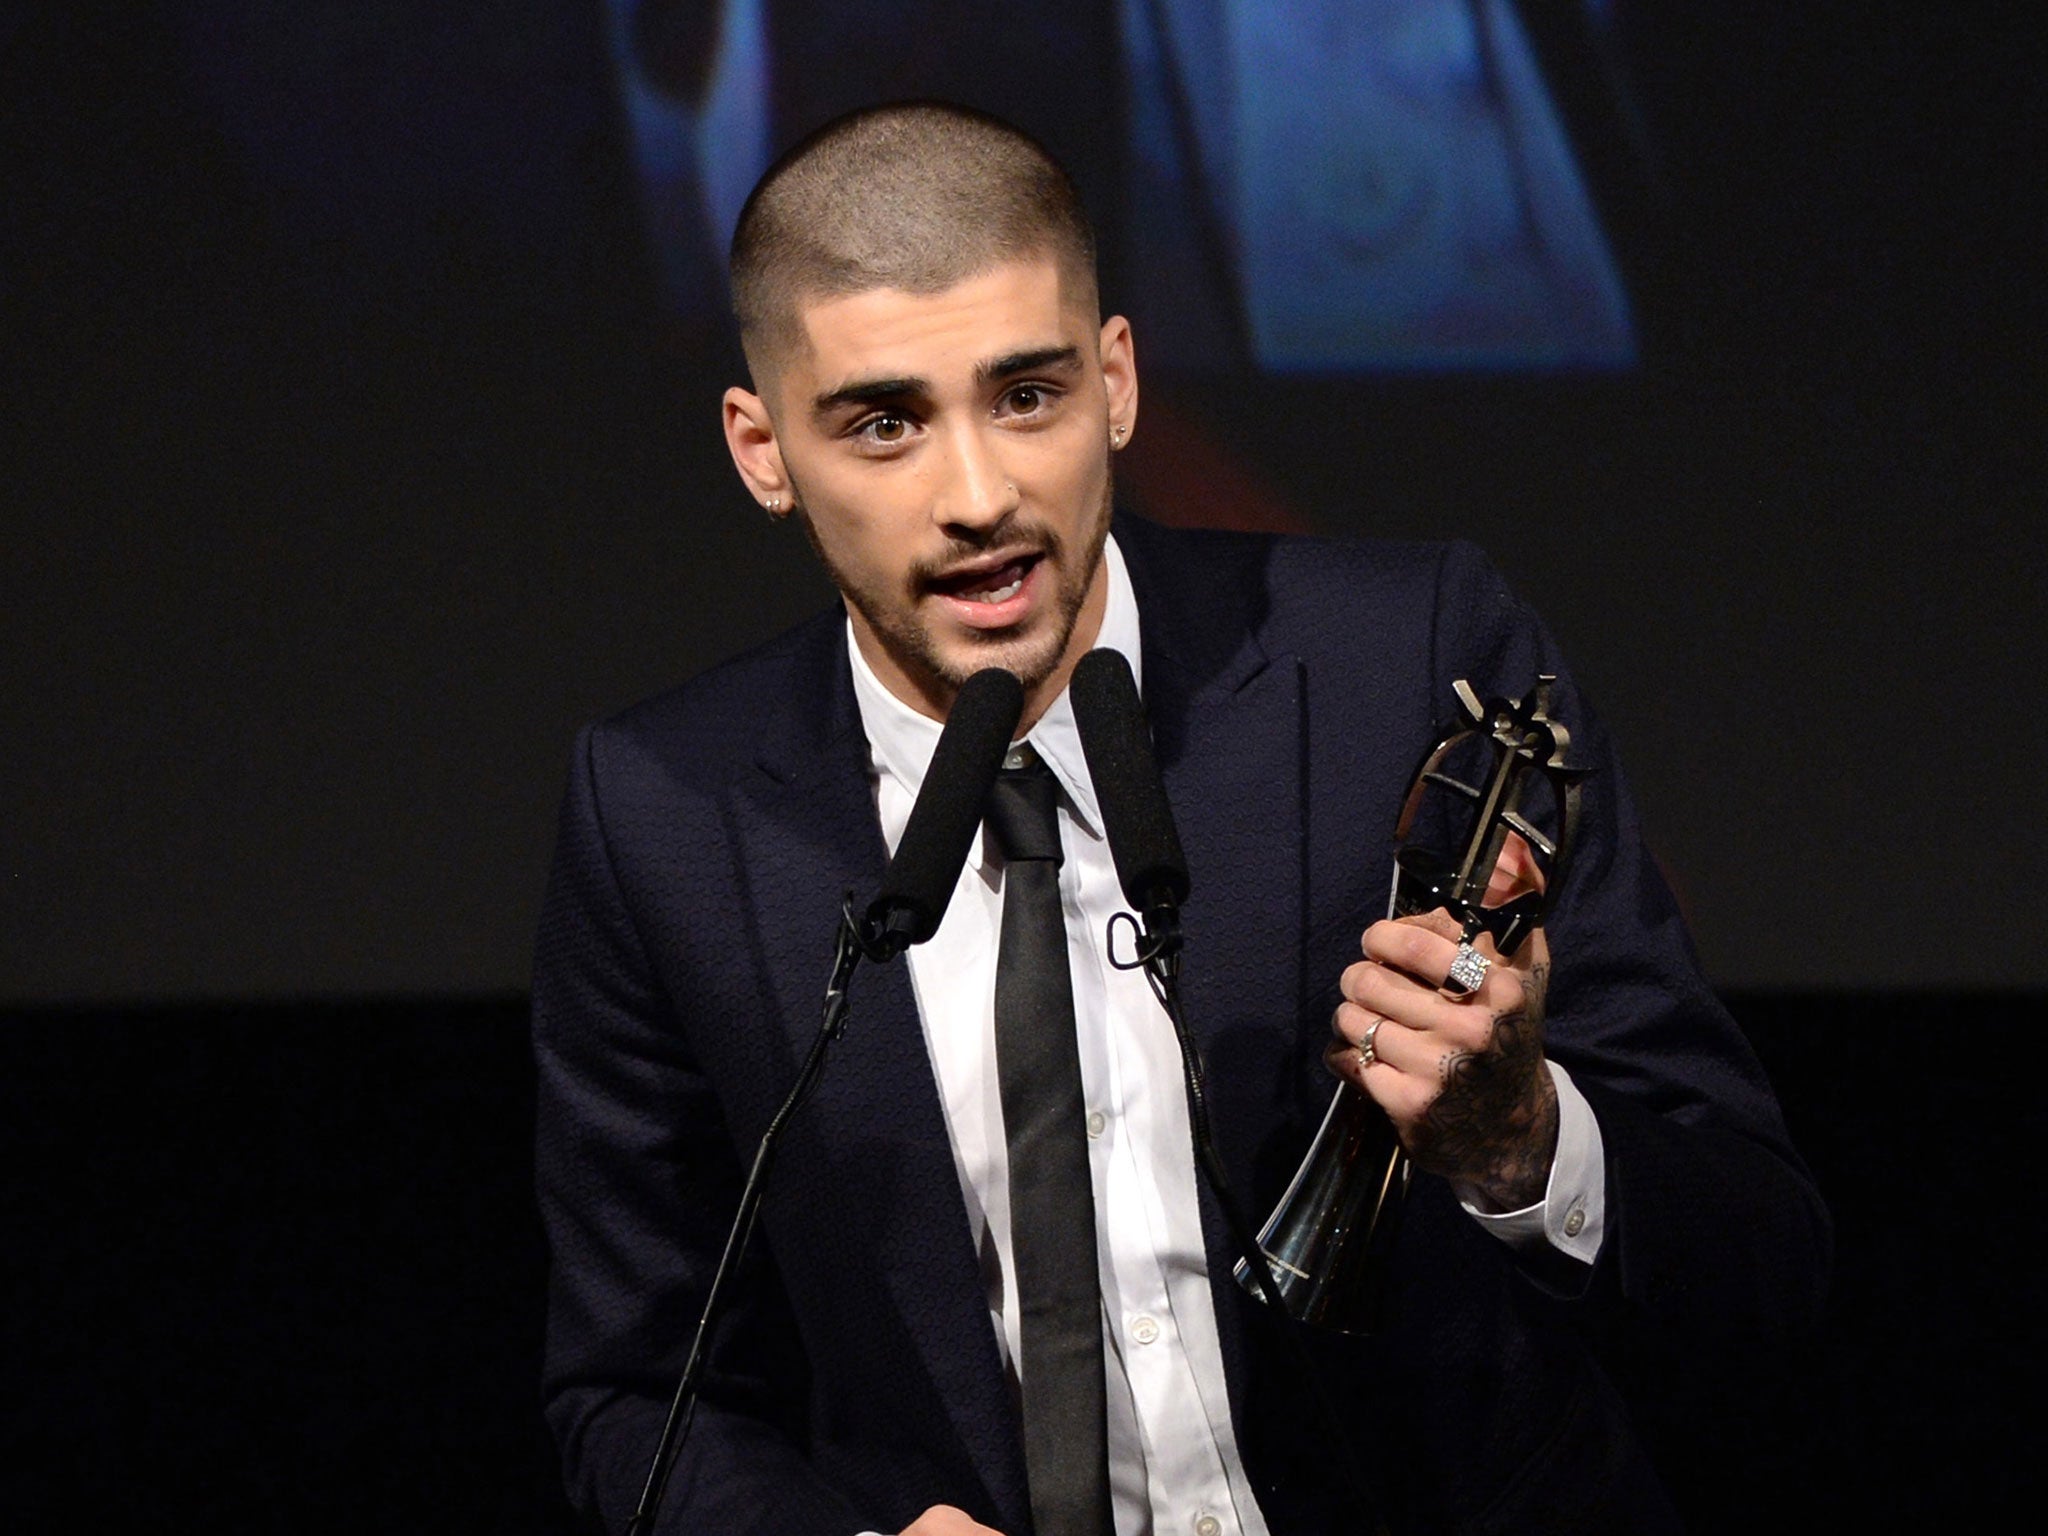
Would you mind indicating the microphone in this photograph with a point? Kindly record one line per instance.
(1135, 814)
(920, 879)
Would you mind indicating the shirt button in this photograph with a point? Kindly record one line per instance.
(1144, 1328)
(1575, 1221)
(1097, 1120)
(1208, 1525)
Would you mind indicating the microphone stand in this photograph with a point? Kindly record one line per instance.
(848, 951)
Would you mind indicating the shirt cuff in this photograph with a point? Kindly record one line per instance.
(1571, 1216)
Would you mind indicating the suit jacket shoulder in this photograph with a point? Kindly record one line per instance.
(783, 697)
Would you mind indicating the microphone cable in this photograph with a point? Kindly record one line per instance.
(1152, 870)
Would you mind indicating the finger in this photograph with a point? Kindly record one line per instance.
(1388, 989)
(1367, 1034)
(1435, 920)
(1357, 977)
(1428, 956)
(1404, 943)
(1381, 990)
(1515, 872)
(1354, 978)
(1350, 1022)
(1357, 1032)
(1420, 949)
(945, 1520)
(1407, 1052)
(1405, 1096)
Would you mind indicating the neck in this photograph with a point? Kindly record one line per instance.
(1080, 641)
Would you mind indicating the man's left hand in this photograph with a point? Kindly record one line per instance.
(1461, 1077)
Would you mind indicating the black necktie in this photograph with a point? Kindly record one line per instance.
(1052, 1202)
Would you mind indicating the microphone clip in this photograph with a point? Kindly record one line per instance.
(1154, 939)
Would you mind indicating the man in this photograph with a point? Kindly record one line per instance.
(937, 401)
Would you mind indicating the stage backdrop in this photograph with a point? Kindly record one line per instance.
(366, 363)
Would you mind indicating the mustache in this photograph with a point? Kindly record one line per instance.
(1023, 538)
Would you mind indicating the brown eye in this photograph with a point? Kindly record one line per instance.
(1026, 398)
(887, 429)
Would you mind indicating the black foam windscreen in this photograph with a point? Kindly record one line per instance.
(1135, 814)
(920, 879)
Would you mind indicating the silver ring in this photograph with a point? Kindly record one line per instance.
(1468, 971)
(1367, 1054)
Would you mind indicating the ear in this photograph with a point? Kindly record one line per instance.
(1120, 379)
(750, 435)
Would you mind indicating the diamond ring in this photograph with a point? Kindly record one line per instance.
(1468, 971)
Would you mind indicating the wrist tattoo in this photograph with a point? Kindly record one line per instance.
(1493, 1123)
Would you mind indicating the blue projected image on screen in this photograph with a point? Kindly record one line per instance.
(1327, 186)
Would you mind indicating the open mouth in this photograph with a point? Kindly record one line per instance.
(990, 584)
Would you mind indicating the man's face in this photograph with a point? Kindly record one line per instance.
(949, 453)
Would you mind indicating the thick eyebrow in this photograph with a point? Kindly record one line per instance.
(869, 392)
(1038, 360)
(884, 391)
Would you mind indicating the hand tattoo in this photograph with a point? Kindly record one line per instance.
(1493, 1123)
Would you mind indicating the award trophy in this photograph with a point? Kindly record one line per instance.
(1329, 1239)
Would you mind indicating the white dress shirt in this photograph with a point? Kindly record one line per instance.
(1173, 1458)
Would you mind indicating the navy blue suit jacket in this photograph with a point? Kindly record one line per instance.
(706, 841)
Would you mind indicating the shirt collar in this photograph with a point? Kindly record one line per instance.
(901, 741)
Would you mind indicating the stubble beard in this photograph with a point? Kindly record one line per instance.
(911, 643)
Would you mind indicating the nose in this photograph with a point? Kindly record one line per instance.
(977, 493)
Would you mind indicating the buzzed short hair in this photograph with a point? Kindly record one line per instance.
(917, 196)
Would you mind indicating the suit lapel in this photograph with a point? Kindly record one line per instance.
(806, 813)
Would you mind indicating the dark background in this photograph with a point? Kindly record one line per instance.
(348, 467)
